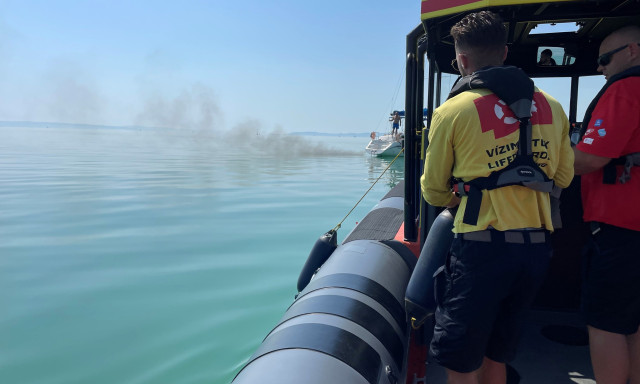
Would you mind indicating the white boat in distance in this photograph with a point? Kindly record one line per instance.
(385, 145)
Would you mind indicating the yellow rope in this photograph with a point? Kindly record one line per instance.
(365, 194)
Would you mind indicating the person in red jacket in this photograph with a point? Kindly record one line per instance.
(610, 198)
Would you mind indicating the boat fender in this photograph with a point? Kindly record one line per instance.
(322, 249)
(373, 135)
(420, 296)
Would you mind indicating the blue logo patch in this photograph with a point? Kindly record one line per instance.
(598, 123)
(602, 132)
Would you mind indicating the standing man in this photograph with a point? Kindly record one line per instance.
(610, 198)
(397, 121)
(494, 119)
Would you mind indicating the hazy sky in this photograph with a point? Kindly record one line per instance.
(328, 66)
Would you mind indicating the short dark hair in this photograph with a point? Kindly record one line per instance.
(547, 52)
(481, 32)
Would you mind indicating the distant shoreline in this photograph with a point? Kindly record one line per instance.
(44, 124)
(344, 134)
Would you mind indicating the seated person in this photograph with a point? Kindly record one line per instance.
(545, 58)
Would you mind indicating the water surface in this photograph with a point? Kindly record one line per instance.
(161, 256)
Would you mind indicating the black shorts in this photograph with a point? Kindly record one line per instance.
(611, 281)
(483, 295)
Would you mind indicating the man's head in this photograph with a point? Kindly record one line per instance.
(480, 39)
(545, 57)
(619, 51)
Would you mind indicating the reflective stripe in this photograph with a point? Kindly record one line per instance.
(355, 311)
(363, 285)
(512, 237)
(330, 340)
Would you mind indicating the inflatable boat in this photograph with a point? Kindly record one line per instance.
(364, 311)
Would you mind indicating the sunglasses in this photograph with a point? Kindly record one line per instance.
(605, 58)
(454, 65)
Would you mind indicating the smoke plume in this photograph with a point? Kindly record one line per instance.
(194, 108)
(250, 137)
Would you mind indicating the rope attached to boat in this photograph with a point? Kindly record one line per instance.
(365, 194)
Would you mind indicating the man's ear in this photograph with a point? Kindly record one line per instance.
(463, 60)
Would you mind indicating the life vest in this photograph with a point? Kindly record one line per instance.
(516, 89)
(609, 171)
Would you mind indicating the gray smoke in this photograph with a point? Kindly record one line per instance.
(194, 109)
(251, 138)
(64, 93)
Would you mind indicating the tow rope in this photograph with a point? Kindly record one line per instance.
(365, 194)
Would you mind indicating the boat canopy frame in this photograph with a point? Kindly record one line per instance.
(431, 44)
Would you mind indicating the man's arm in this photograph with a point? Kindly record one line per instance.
(619, 109)
(438, 164)
(587, 163)
(564, 173)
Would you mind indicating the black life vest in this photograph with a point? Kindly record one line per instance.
(516, 89)
(609, 173)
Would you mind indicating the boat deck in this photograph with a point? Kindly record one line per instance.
(385, 145)
(554, 350)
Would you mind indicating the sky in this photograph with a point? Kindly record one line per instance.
(293, 65)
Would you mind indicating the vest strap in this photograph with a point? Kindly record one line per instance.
(609, 172)
(472, 209)
(516, 89)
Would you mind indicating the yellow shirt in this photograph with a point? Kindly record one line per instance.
(474, 134)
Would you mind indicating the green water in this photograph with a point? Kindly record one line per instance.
(161, 256)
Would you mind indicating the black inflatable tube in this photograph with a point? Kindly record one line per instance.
(363, 285)
(355, 311)
(327, 339)
(420, 300)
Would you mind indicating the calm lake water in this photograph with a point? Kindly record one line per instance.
(161, 256)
